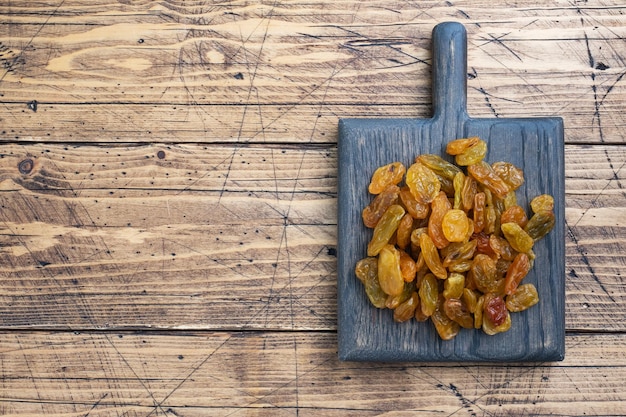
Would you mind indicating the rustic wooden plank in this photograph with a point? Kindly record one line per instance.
(595, 255)
(252, 123)
(286, 374)
(224, 237)
(276, 68)
(113, 123)
(231, 237)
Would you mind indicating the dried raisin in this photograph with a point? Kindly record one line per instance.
(455, 225)
(431, 257)
(389, 273)
(385, 176)
(517, 237)
(472, 155)
(484, 174)
(385, 229)
(540, 224)
(458, 311)
(511, 174)
(366, 271)
(458, 146)
(439, 165)
(439, 208)
(372, 213)
(543, 202)
(429, 294)
(422, 182)
(406, 310)
(524, 297)
(516, 273)
(416, 209)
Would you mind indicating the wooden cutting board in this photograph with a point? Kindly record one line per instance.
(534, 144)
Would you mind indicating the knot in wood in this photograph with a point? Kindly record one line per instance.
(26, 166)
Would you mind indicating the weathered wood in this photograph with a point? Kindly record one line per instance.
(266, 72)
(223, 237)
(244, 81)
(212, 236)
(595, 256)
(287, 374)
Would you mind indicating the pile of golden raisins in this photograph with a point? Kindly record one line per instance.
(450, 245)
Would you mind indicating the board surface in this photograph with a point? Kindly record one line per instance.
(534, 144)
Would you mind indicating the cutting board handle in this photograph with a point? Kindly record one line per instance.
(449, 51)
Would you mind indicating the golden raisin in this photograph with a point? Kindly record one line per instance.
(403, 234)
(457, 183)
(479, 212)
(511, 174)
(470, 188)
(514, 214)
(416, 209)
(366, 271)
(458, 146)
(379, 205)
(431, 257)
(385, 229)
(496, 317)
(393, 301)
(408, 267)
(501, 247)
(390, 174)
(439, 165)
(524, 297)
(458, 311)
(453, 286)
(439, 208)
(484, 174)
(472, 155)
(389, 273)
(455, 225)
(517, 237)
(422, 182)
(406, 310)
(484, 274)
(543, 202)
(429, 294)
(516, 273)
(446, 327)
(540, 224)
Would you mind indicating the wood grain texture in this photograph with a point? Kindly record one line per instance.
(258, 69)
(156, 128)
(203, 236)
(287, 374)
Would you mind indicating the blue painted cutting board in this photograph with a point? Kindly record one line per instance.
(533, 144)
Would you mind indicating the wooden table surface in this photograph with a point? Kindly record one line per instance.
(168, 175)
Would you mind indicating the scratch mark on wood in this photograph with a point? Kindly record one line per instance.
(20, 56)
(488, 101)
(498, 41)
(96, 404)
(158, 405)
(594, 88)
(585, 259)
(132, 370)
(466, 403)
(280, 387)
